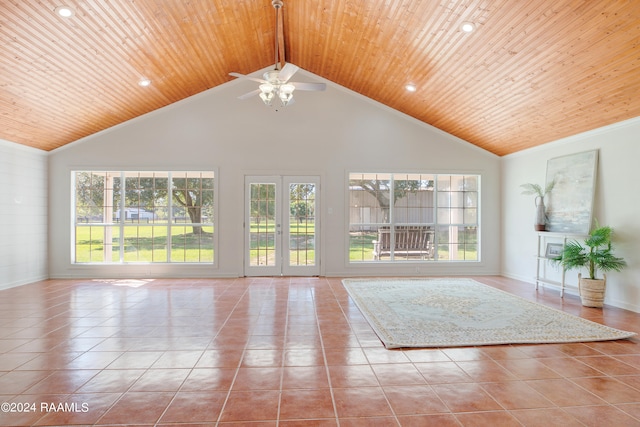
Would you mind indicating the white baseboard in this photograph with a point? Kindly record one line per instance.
(22, 282)
(622, 304)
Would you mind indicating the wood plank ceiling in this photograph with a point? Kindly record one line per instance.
(532, 72)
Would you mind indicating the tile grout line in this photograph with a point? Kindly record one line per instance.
(235, 375)
(326, 363)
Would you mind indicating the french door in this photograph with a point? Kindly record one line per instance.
(281, 235)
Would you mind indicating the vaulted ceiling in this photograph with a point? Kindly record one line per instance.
(532, 72)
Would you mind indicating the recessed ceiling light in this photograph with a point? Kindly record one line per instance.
(144, 82)
(468, 27)
(64, 11)
(410, 87)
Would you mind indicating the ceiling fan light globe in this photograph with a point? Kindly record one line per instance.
(287, 88)
(266, 88)
(267, 91)
(285, 93)
(285, 98)
(266, 97)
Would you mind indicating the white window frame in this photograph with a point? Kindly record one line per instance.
(120, 214)
(437, 225)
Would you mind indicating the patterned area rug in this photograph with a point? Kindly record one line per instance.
(463, 312)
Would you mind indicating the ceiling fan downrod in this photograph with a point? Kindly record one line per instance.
(277, 5)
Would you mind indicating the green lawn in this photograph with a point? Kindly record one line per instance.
(361, 249)
(145, 243)
(148, 243)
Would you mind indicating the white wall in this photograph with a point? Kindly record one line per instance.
(23, 214)
(617, 204)
(326, 134)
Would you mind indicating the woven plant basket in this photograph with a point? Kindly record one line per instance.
(592, 291)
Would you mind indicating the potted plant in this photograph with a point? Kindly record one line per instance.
(540, 193)
(595, 254)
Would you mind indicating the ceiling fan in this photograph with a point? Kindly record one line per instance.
(275, 84)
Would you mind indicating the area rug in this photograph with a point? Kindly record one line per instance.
(463, 312)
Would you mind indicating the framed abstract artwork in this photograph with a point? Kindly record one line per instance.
(570, 203)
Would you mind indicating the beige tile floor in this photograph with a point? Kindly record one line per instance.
(286, 352)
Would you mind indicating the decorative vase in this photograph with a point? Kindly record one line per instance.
(541, 216)
(592, 291)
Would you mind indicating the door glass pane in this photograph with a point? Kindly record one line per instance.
(262, 225)
(302, 230)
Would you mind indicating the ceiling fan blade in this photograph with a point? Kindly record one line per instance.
(242, 76)
(249, 95)
(287, 72)
(309, 86)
